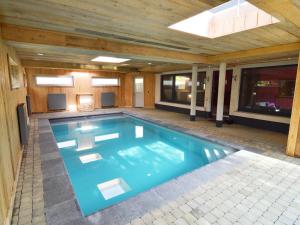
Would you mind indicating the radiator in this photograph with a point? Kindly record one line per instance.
(57, 102)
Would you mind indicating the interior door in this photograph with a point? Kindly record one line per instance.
(138, 92)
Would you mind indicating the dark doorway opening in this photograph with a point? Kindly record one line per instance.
(215, 87)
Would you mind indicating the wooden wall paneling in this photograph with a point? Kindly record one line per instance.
(82, 85)
(3, 197)
(128, 90)
(121, 91)
(149, 90)
(15, 97)
(6, 167)
(7, 109)
(293, 144)
(10, 148)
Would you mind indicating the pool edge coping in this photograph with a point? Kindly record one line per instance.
(47, 126)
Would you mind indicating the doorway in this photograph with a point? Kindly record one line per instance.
(138, 92)
(227, 94)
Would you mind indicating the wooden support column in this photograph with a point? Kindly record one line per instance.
(194, 93)
(221, 92)
(293, 145)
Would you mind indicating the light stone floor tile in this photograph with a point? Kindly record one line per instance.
(261, 188)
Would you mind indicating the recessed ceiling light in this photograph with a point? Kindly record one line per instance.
(149, 63)
(231, 17)
(40, 54)
(109, 59)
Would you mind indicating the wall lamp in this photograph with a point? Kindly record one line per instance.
(234, 77)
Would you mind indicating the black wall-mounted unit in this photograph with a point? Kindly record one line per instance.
(28, 103)
(57, 102)
(22, 120)
(108, 99)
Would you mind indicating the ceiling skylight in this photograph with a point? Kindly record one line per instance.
(107, 59)
(231, 17)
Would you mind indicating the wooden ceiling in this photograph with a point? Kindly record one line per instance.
(142, 23)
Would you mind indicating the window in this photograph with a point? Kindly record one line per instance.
(177, 88)
(201, 88)
(183, 88)
(167, 88)
(268, 90)
(101, 81)
(54, 81)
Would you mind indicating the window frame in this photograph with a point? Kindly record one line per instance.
(174, 87)
(53, 85)
(262, 112)
(106, 85)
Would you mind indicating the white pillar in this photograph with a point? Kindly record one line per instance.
(221, 92)
(235, 90)
(194, 92)
(208, 90)
(157, 88)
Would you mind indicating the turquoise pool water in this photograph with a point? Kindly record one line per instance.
(112, 158)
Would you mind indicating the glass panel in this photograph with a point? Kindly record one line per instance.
(54, 81)
(167, 88)
(177, 88)
(139, 85)
(183, 88)
(268, 90)
(200, 88)
(105, 82)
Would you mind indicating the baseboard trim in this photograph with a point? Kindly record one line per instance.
(181, 110)
(262, 124)
(192, 118)
(219, 123)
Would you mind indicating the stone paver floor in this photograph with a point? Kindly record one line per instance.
(263, 189)
(29, 201)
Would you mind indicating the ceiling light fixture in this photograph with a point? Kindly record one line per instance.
(40, 54)
(109, 59)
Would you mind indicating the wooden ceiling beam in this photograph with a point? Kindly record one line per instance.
(256, 53)
(165, 68)
(27, 63)
(46, 37)
(61, 39)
